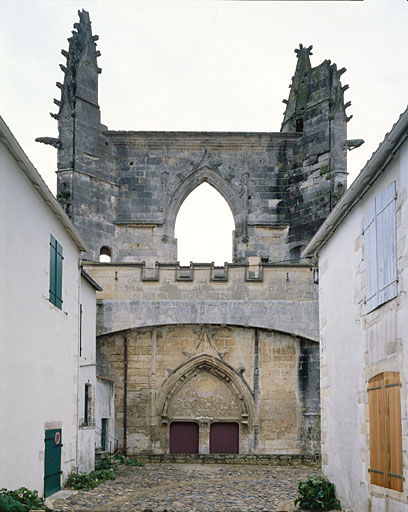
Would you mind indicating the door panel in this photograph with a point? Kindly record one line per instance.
(224, 438)
(52, 462)
(183, 437)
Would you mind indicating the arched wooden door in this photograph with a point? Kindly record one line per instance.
(183, 437)
(224, 438)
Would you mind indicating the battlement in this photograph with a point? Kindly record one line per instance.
(278, 297)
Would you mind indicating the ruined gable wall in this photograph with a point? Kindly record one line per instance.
(158, 170)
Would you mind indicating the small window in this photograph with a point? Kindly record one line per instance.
(380, 241)
(105, 254)
(104, 434)
(87, 401)
(299, 124)
(56, 257)
(385, 431)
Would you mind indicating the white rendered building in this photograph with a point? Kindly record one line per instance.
(42, 331)
(363, 299)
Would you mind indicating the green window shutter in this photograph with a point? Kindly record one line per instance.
(56, 257)
(53, 257)
(58, 287)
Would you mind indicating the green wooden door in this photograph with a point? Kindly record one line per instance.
(52, 463)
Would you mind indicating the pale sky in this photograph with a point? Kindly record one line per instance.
(202, 65)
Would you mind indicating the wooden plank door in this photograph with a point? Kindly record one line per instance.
(386, 467)
(183, 437)
(224, 438)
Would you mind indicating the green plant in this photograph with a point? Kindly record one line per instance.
(131, 462)
(87, 481)
(24, 497)
(121, 459)
(317, 494)
(7, 504)
(104, 463)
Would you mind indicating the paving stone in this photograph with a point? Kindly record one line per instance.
(191, 488)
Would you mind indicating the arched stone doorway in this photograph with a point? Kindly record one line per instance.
(206, 391)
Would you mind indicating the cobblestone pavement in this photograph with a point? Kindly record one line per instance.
(191, 488)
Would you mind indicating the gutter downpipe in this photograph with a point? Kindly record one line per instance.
(78, 365)
(125, 376)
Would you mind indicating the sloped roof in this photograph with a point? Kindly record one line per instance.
(8, 139)
(91, 281)
(370, 172)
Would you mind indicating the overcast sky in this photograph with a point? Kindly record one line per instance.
(202, 65)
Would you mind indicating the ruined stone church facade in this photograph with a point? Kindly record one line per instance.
(205, 359)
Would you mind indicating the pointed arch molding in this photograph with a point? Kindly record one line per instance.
(220, 369)
(197, 177)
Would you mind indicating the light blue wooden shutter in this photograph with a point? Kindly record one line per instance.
(386, 244)
(380, 240)
(370, 246)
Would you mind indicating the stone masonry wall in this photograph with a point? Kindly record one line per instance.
(208, 374)
(282, 298)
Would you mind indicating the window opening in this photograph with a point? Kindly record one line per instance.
(56, 257)
(87, 404)
(204, 227)
(299, 124)
(104, 433)
(105, 254)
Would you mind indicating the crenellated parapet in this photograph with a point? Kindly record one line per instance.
(276, 297)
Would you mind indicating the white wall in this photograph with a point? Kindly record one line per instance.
(356, 346)
(87, 375)
(105, 408)
(39, 342)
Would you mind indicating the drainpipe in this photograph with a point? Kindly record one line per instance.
(256, 390)
(152, 391)
(125, 376)
(78, 368)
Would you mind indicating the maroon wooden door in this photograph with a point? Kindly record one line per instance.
(183, 437)
(224, 438)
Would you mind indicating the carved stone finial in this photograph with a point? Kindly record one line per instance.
(302, 49)
(81, 41)
(340, 72)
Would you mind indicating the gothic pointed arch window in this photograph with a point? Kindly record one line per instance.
(204, 227)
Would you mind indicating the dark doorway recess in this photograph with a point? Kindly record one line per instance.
(224, 438)
(183, 437)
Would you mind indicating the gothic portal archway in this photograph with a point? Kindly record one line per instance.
(201, 374)
(206, 390)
